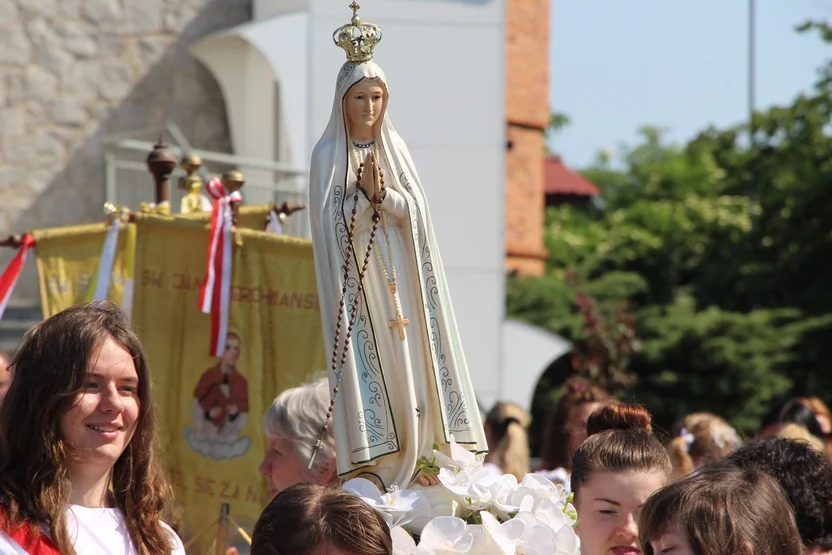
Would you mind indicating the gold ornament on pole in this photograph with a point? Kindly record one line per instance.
(191, 184)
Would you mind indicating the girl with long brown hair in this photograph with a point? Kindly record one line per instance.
(79, 471)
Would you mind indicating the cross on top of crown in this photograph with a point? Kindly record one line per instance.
(355, 7)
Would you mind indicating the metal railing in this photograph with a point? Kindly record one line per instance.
(128, 182)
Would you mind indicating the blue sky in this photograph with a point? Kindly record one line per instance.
(679, 64)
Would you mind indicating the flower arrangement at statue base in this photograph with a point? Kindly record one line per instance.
(475, 510)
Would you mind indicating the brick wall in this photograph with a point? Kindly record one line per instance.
(527, 114)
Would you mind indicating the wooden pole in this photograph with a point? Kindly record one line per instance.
(221, 543)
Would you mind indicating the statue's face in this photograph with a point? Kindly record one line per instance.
(363, 105)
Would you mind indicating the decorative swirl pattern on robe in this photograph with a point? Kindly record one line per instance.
(458, 413)
(380, 431)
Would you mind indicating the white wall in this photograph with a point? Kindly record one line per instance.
(527, 352)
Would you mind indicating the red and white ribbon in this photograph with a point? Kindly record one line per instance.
(9, 277)
(216, 288)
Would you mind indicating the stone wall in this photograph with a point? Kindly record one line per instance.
(73, 72)
(527, 112)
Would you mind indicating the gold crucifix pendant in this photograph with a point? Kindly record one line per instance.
(400, 323)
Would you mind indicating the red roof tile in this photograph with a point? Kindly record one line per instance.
(560, 180)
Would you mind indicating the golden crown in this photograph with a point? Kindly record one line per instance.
(357, 38)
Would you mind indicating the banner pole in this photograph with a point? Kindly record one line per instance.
(204, 531)
(240, 529)
(222, 530)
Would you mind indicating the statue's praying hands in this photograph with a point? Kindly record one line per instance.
(372, 181)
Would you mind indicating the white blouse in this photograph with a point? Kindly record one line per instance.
(94, 532)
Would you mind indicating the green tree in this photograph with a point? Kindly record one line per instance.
(722, 247)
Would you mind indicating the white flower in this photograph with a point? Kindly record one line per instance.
(397, 507)
(565, 538)
(525, 534)
(404, 544)
(556, 476)
(533, 517)
(447, 535)
(460, 458)
(533, 491)
(469, 483)
(505, 536)
(463, 474)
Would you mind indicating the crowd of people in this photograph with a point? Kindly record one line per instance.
(80, 473)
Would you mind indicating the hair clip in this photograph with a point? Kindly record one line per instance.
(688, 437)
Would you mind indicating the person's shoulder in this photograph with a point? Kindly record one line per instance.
(10, 547)
(178, 546)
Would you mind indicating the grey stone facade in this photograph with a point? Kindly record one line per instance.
(73, 72)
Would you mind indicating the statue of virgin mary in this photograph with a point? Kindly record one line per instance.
(399, 377)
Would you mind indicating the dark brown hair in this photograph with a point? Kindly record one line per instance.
(723, 510)
(805, 476)
(50, 371)
(575, 391)
(301, 518)
(620, 440)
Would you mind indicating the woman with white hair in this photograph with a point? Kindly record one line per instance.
(293, 426)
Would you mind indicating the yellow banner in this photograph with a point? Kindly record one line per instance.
(67, 258)
(67, 261)
(211, 409)
(250, 217)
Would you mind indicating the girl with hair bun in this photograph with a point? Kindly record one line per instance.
(613, 473)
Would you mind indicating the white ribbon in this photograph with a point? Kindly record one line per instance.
(105, 264)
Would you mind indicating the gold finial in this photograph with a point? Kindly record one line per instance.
(233, 180)
(116, 212)
(357, 39)
(191, 163)
(163, 208)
